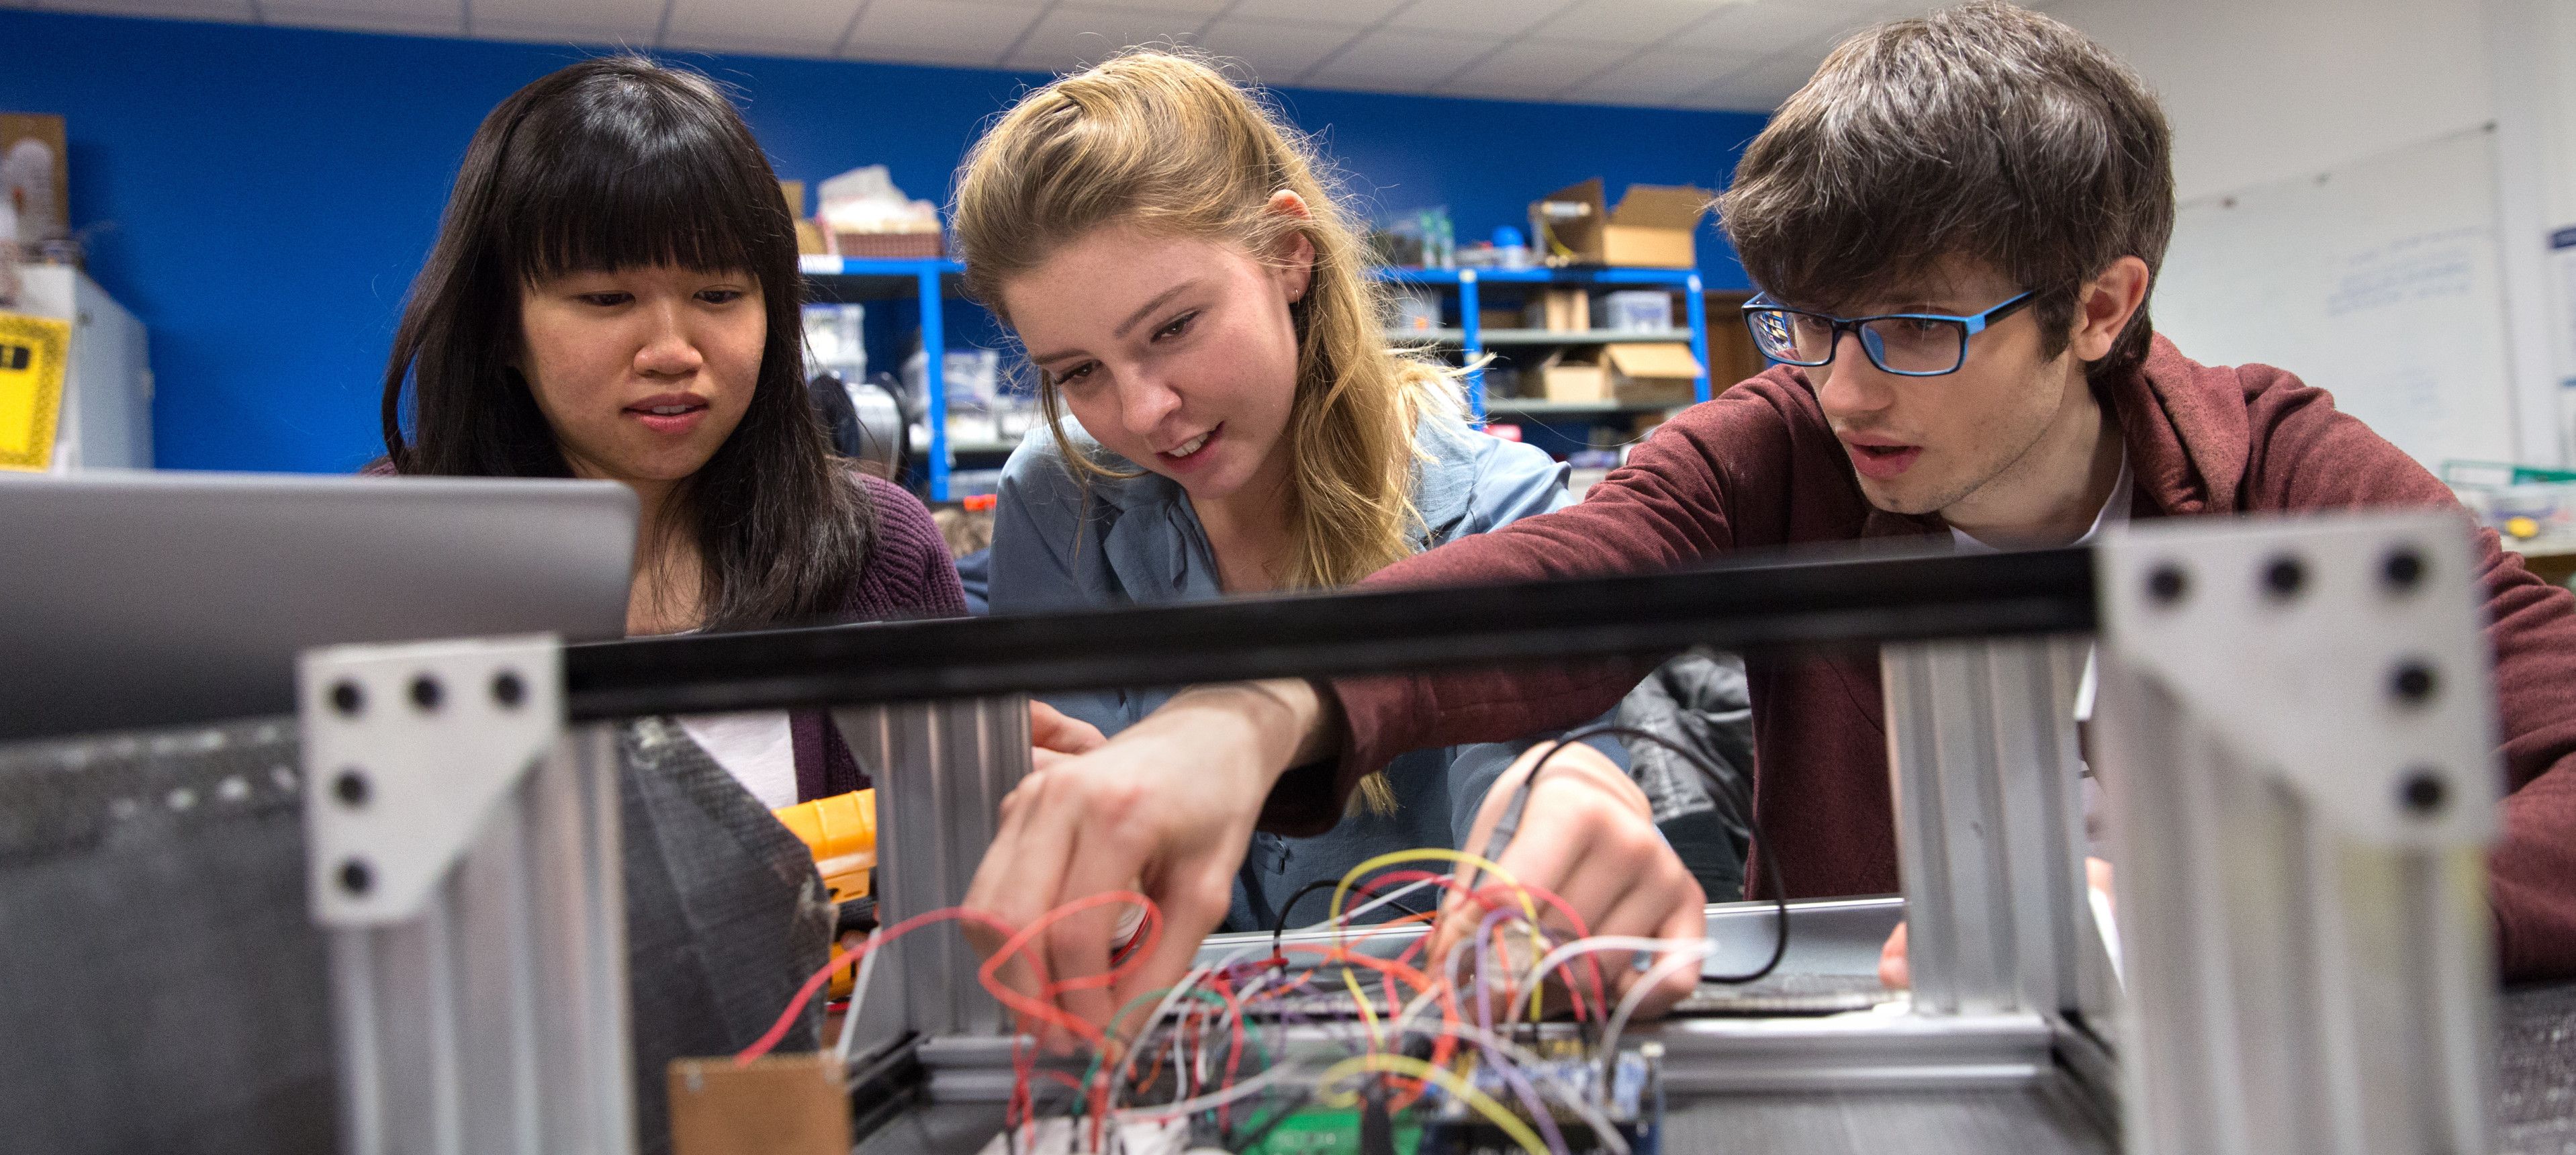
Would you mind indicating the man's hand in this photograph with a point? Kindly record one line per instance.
(1588, 835)
(1898, 975)
(1166, 809)
(1053, 734)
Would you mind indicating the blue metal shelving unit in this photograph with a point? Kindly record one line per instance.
(1473, 339)
(929, 281)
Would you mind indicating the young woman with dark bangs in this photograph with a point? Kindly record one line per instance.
(614, 294)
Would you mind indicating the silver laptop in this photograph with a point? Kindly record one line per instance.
(135, 600)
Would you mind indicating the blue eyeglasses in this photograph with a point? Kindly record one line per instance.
(1906, 344)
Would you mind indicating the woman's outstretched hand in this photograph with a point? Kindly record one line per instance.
(1165, 809)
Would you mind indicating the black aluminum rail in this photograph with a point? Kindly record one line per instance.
(1844, 599)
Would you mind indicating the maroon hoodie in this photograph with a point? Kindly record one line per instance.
(1760, 467)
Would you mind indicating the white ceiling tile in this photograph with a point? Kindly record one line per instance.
(804, 47)
(1530, 70)
(1660, 77)
(1494, 19)
(1766, 84)
(816, 24)
(1400, 61)
(1071, 36)
(1344, 13)
(1200, 8)
(960, 56)
(626, 20)
(415, 17)
(1766, 26)
(1274, 53)
(938, 31)
(1632, 22)
(238, 11)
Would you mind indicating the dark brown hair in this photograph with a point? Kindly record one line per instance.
(613, 163)
(1984, 131)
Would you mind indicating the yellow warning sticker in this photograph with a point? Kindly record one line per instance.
(32, 353)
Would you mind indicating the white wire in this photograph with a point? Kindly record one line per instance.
(1583, 946)
(1354, 914)
(858, 998)
(1529, 1064)
(1178, 1108)
(1188, 983)
(1637, 993)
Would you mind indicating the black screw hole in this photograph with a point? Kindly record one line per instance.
(2168, 584)
(2285, 577)
(2413, 683)
(2424, 793)
(348, 699)
(355, 877)
(2403, 569)
(351, 787)
(425, 692)
(507, 689)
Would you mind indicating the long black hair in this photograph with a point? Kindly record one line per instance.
(619, 162)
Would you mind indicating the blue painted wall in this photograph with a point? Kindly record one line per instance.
(262, 197)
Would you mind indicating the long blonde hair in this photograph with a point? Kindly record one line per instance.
(1160, 140)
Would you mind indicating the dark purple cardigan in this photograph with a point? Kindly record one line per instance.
(908, 574)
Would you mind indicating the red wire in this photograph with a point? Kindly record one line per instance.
(1146, 937)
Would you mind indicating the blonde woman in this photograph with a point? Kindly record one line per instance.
(1225, 417)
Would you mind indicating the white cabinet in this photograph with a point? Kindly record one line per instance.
(106, 422)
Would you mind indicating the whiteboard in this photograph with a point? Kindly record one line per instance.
(2377, 281)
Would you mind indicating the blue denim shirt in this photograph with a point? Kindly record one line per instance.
(1059, 544)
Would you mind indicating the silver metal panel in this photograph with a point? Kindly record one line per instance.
(495, 1019)
(2301, 892)
(940, 770)
(1982, 746)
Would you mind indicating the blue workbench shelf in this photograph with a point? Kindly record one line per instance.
(1472, 339)
(932, 281)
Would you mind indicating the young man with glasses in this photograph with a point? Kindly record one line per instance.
(1957, 221)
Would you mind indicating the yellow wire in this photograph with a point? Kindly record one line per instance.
(1435, 854)
(1342, 892)
(1413, 1068)
(1368, 1014)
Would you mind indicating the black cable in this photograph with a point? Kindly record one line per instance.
(1279, 925)
(1720, 790)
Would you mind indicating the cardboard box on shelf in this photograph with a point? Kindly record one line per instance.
(1658, 373)
(1654, 225)
(809, 239)
(1637, 310)
(1499, 318)
(1559, 311)
(1575, 375)
(35, 175)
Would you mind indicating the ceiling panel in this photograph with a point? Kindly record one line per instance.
(1660, 77)
(416, 17)
(1275, 53)
(1344, 13)
(1529, 70)
(230, 10)
(1400, 61)
(1632, 22)
(963, 56)
(1072, 36)
(1496, 19)
(938, 31)
(1767, 26)
(816, 24)
(621, 21)
(1759, 88)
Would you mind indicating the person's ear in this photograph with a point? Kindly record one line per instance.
(1294, 255)
(2105, 304)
